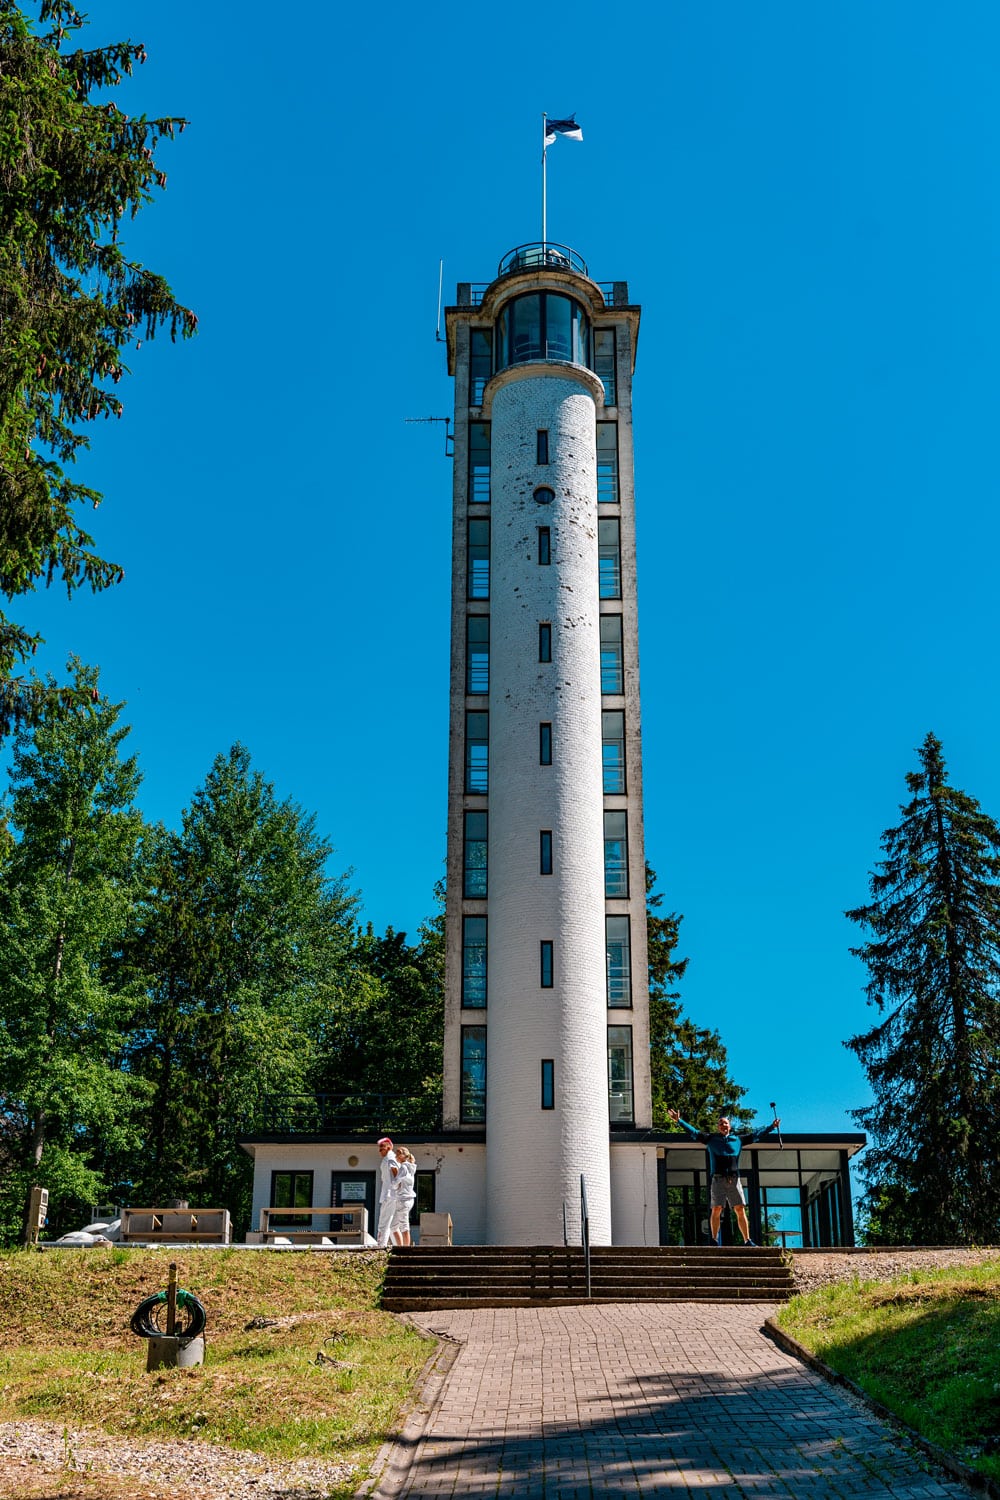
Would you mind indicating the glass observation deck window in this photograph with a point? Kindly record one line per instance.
(541, 326)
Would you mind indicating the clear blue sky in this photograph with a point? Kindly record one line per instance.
(803, 198)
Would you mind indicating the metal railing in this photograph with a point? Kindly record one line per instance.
(335, 1114)
(585, 1231)
(478, 290)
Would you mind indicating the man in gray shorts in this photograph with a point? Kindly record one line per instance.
(724, 1153)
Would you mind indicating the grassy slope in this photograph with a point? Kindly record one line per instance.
(67, 1354)
(925, 1345)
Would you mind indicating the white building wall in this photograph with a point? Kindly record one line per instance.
(635, 1216)
(567, 1023)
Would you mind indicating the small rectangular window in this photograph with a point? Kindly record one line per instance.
(544, 546)
(616, 854)
(545, 642)
(545, 744)
(545, 964)
(541, 446)
(619, 957)
(474, 868)
(613, 750)
(479, 463)
(477, 752)
(473, 1101)
(290, 1190)
(474, 962)
(609, 559)
(620, 1091)
(612, 672)
(607, 462)
(426, 1185)
(477, 654)
(548, 1083)
(604, 362)
(545, 852)
(480, 363)
(478, 570)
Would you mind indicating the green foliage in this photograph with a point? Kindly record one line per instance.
(933, 958)
(71, 170)
(688, 1063)
(69, 882)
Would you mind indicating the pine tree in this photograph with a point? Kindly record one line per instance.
(933, 958)
(72, 168)
(688, 1064)
(68, 888)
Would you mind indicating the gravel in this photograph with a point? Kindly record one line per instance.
(200, 1471)
(816, 1268)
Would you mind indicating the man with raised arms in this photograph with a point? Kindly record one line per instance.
(724, 1153)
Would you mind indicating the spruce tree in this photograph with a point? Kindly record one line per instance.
(73, 168)
(933, 957)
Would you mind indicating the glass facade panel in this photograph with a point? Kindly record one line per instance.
(477, 654)
(473, 1103)
(479, 463)
(612, 677)
(619, 951)
(607, 462)
(541, 325)
(474, 961)
(621, 1103)
(479, 560)
(604, 362)
(609, 559)
(548, 1083)
(526, 329)
(581, 335)
(480, 363)
(616, 854)
(477, 752)
(558, 335)
(613, 750)
(474, 861)
(546, 964)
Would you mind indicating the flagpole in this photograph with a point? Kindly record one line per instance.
(544, 119)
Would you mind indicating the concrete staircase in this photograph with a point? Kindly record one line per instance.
(420, 1277)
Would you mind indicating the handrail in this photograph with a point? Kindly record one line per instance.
(565, 1230)
(585, 1231)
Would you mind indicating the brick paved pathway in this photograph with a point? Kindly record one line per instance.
(644, 1399)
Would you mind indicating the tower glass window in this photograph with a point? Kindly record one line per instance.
(609, 558)
(621, 1105)
(474, 961)
(480, 363)
(545, 852)
(478, 560)
(607, 462)
(546, 964)
(474, 848)
(619, 952)
(613, 750)
(548, 1083)
(477, 654)
(604, 363)
(477, 752)
(479, 463)
(542, 446)
(473, 1102)
(616, 853)
(542, 326)
(545, 744)
(544, 546)
(545, 641)
(611, 654)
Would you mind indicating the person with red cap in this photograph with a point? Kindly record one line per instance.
(385, 1204)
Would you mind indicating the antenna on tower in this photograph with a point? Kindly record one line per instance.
(437, 331)
(449, 436)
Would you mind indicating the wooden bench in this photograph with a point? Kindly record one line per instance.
(176, 1226)
(348, 1226)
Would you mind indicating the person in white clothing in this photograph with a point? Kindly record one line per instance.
(386, 1191)
(404, 1194)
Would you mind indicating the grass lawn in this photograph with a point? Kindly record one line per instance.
(68, 1356)
(925, 1345)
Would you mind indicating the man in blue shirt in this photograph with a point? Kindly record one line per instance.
(724, 1154)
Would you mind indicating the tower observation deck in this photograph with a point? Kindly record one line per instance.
(547, 1024)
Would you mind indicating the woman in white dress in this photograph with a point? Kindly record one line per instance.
(404, 1195)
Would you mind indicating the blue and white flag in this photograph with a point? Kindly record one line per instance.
(569, 128)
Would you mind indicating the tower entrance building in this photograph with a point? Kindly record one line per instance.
(547, 1024)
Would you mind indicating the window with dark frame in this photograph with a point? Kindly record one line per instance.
(607, 463)
(291, 1190)
(615, 852)
(545, 852)
(472, 1106)
(543, 495)
(609, 558)
(613, 750)
(480, 363)
(542, 446)
(478, 560)
(474, 962)
(544, 546)
(426, 1186)
(477, 654)
(474, 871)
(548, 1083)
(545, 641)
(612, 669)
(545, 963)
(621, 1099)
(604, 363)
(619, 961)
(479, 463)
(477, 752)
(545, 744)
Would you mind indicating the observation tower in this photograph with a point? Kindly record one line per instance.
(547, 1010)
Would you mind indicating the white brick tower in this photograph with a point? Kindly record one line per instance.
(547, 1029)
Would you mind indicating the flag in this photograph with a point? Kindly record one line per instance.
(569, 128)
